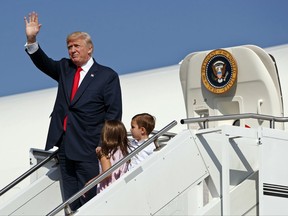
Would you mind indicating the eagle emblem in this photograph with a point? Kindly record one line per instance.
(219, 71)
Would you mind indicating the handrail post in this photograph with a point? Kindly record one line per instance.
(68, 211)
(225, 179)
(205, 124)
(157, 146)
(272, 123)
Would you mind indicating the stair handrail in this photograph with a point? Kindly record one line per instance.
(205, 120)
(109, 171)
(28, 172)
(164, 137)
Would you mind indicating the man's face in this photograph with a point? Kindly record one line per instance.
(79, 51)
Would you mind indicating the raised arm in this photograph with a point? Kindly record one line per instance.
(32, 27)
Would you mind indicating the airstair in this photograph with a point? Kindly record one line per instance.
(229, 160)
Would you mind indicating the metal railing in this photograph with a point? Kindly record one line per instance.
(164, 137)
(28, 173)
(205, 120)
(65, 205)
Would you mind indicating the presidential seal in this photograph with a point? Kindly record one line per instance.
(219, 71)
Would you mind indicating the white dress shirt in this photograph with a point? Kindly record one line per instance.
(142, 155)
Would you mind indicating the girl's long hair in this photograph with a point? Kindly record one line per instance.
(114, 136)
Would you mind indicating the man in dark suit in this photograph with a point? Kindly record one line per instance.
(76, 121)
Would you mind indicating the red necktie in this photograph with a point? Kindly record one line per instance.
(75, 83)
(74, 90)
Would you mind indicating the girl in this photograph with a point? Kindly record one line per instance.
(114, 147)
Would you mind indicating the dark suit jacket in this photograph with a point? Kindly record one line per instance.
(97, 99)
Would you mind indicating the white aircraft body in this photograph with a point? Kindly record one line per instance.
(226, 157)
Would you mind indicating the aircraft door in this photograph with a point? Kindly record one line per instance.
(228, 81)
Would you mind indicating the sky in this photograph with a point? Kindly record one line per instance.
(130, 35)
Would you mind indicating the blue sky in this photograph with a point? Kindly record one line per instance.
(131, 35)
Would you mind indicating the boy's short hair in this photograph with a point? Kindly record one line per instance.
(146, 121)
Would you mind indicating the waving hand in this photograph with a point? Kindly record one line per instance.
(32, 27)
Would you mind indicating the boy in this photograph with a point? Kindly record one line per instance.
(141, 127)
